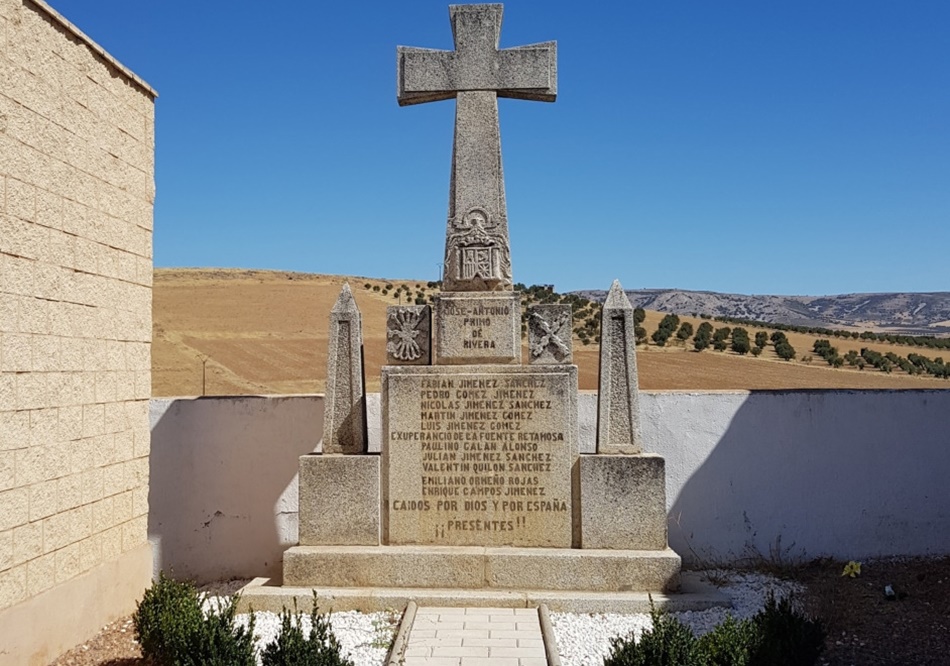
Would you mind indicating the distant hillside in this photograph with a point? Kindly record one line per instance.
(907, 313)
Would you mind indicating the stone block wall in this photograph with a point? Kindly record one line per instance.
(76, 198)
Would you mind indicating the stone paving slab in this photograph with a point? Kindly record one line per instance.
(474, 636)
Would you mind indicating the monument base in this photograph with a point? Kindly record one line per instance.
(694, 594)
(348, 484)
(473, 567)
(623, 501)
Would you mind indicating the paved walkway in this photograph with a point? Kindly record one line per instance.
(475, 636)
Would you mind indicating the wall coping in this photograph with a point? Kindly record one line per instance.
(88, 41)
(724, 392)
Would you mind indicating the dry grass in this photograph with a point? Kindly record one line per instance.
(266, 332)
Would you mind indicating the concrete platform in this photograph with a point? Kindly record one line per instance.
(476, 568)
(263, 594)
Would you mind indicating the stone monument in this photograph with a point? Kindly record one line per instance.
(479, 493)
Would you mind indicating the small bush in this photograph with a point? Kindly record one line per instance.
(776, 636)
(166, 618)
(174, 631)
(669, 643)
(291, 648)
(728, 644)
(218, 642)
(785, 637)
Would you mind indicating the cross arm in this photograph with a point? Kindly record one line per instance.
(536, 65)
(417, 73)
(524, 72)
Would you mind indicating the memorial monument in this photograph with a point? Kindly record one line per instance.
(479, 493)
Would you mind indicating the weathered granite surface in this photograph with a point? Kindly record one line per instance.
(408, 335)
(618, 409)
(472, 567)
(550, 334)
(477, 327)
(623, 502)
(344, 425)
(339, 500)
(476, 455)
(476, 73)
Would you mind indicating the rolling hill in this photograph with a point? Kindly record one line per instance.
(241, 332)
(903, 313)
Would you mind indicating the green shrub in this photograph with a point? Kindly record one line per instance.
(785, 637)
(776, 636)
(218, 642)
(728, 644)
(165, 619)
(292, 648)
(669, 643)
(174, 631)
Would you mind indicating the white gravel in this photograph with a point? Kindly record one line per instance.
(584, 640)
(363, 637)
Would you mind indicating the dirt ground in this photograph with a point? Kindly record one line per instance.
(864, 627)
(237, 332)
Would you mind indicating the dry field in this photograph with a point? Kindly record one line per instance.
(265, 332)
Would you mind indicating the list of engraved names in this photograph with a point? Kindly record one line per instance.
(491, 456)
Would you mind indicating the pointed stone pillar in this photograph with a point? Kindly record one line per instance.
(623, 489)
(344, 420)
(618, 402)
(339, 494)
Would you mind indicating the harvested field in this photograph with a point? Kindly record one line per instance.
(265, 332)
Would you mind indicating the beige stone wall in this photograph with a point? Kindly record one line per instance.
(76, 196)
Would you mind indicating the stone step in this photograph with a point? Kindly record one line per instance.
(477, 568)
(263, 594)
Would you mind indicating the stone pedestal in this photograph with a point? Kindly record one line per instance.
(623, 502)
(479, 455)
(339, 500)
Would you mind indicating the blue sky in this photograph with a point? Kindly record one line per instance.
(796, 147)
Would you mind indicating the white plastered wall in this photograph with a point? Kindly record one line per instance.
(790, 474)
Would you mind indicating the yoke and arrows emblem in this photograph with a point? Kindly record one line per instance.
(550, 334)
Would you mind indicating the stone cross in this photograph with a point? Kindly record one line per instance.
(476, 73)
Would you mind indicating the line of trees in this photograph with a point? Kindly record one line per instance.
(824, 349)
(587, 320)
(783, 349)
(703, 336)
(929, 341)
(914, 364)
(740, 341)
(667, 327)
